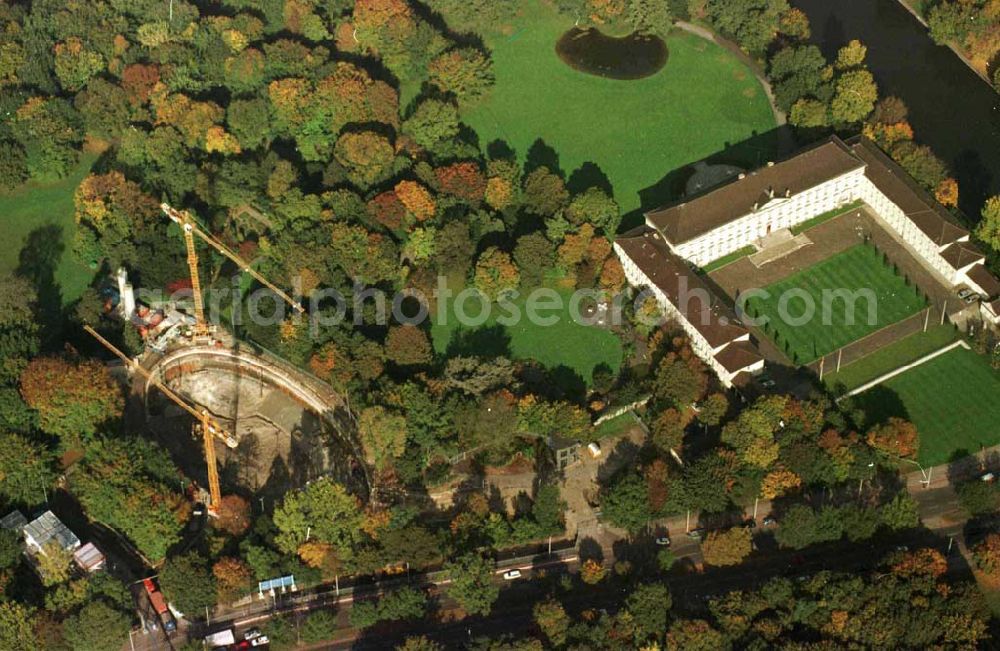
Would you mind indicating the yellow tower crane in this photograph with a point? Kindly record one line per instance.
(190, 228)
(209, 427)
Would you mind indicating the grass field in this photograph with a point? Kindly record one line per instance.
(954, 400)
(904, 351)
(858, 268)
(635, 131)
(33, 207)
(566, 343)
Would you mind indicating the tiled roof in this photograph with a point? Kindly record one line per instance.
(696, 216)
(738, 356)
(980, 275)
(682, 286)
(918, 206)
(962, 254)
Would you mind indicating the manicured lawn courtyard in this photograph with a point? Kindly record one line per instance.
(858, 268)
(566, 343)
(635, 131)
(954, 400)
(43, 214)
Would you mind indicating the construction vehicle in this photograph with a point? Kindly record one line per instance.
(209, 428)
(160, 606)
(202, 329)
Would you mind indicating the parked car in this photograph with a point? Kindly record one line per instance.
(251, 634)
(260, 641)
(767, 383)
(965, 292)
(594, 449)
(663, 541)
(510, 575)
(769, 521)
(696, 533)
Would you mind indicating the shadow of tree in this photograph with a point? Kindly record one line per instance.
(541, 154)
(37, 264)
(484, 341)
(588, 175)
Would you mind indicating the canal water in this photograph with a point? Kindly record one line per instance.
(951, 108)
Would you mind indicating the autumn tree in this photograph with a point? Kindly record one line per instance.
(695, 635)
(727, 547)
(713, 409)
(680, 380)
(897, 437)
(472, 584)
(465, 72)
(778, 482)
(72, 397)
(416, 199)
(463, 180)
(855, 97)
(987, 554)
(233, 578)
(496, 273)
(946, 193)
(592, 571)
(668, 429)
(233, 515)
(407, 345)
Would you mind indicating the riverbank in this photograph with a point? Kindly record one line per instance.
(954, 48)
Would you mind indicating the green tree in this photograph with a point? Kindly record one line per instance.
(366, 155)
(649, 605)
(475, 376)
(809, 114)
(454, 249)
(920, 162)
(534, 255)
(855, 97)
(713, 409)
(324, 510)
(595, 207)
(553, 621)
(988, 229)
(472, 584)
(625, 503)
(978, 497)
(319, 626)
(27, 470)
(50, 131)
(188, 583)
(545, 193)
(796, 72)
(19, 340)
(753, 23)
(900, 513)
(433, 125)
(97, 627)
(465, 72)
(13, 165)
(54, 563)
(17, 632)
(383, 435)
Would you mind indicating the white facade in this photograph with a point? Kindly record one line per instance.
(699, 344)
(777, 213)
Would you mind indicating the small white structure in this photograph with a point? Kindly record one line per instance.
(126, 294)
(47, 528)
(89, 558)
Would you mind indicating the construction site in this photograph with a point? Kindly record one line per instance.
(234, 416)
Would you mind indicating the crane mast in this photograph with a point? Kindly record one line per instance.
(209, 428)
(190, 228)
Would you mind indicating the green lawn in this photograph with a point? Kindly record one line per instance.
(954, 400)
(635, 131)
(729, 258)
(904, 351)
(44, 213)
(858, 268)
(566, 343)
(824, 217)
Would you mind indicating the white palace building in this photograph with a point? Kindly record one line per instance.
(827, 176)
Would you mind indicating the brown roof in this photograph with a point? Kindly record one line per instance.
(962, 254)
(696, 216)
(982, 277)
(682, 286)
(918, 206)
(738, 356)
